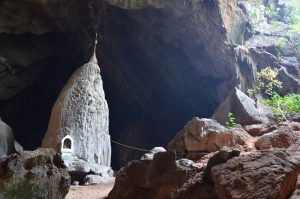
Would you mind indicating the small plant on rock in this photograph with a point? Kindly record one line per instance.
(265, 83)
(231, 120)
(282, 107)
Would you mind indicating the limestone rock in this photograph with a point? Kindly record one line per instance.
(259, 129)
(240, 135)
(81, 112)
(244, 109)
(79, 169)
(257, 175)
(96, 179)
(6, 140)
(296, 193)
(150, 155)
(196, 187)
(159, 178)
(204, 135)
(34, 174)
(220, 157)
(282, 137)
(18, 148)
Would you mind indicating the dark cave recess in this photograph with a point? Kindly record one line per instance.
(155, 79)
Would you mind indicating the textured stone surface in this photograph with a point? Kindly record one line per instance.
(81, 111)
(164, 61)
(205, 135)
(159, 178)
(6, 140)
(296, 193)
(259, 129)
(220, 157)
(244, 109)
(150, 155)
(79, 169)
(34, 174)
(96, 179)
(282, 137)
(257, 175)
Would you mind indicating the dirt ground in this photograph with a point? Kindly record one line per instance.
(99, 191)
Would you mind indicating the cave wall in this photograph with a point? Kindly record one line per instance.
(162, 62)
(158, 68)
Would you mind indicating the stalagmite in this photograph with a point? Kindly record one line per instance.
(81, 112)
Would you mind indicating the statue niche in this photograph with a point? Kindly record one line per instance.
(67, 144)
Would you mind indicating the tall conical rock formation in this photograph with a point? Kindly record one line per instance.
(81, 111)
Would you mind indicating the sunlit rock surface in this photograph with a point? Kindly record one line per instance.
(244, 109)
(257, 175)
(81, 111)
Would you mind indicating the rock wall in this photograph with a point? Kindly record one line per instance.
(34, 174)
(164, 61)
(81, 111)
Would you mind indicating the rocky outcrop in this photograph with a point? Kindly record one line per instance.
(283, 137)
(259, 129)
(80, 169)
(252, 175)
(257, 175)
(220, 157)
(159, 178)
(245, 110)
(206, 135)
(164, 61)
(34, 174)
(96, 179)
(7, 146)
(81, 112)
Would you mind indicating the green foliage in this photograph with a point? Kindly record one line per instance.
(266, 81)
(282, 42)
(295, 16)
(283, 106)
(251, 92)
(231, 120)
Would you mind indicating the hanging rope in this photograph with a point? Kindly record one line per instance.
(202, 153)
(130, 147)
(186, 153)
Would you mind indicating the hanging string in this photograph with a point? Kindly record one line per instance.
(188, 152)
(130, 147)
(202, 153)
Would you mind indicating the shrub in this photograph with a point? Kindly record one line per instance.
(283, 107)
(231, 120)
(265, 82)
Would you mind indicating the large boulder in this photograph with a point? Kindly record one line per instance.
(245, 110)
(205, 135)
(79, 169)
(6, 140)
(257, 175)
(81, 112)
(34, 174)
(283, 137)
(220, 157)
(259, 129)
(158, 178)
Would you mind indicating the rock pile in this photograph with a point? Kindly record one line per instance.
(236, 165)
(34, 174)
